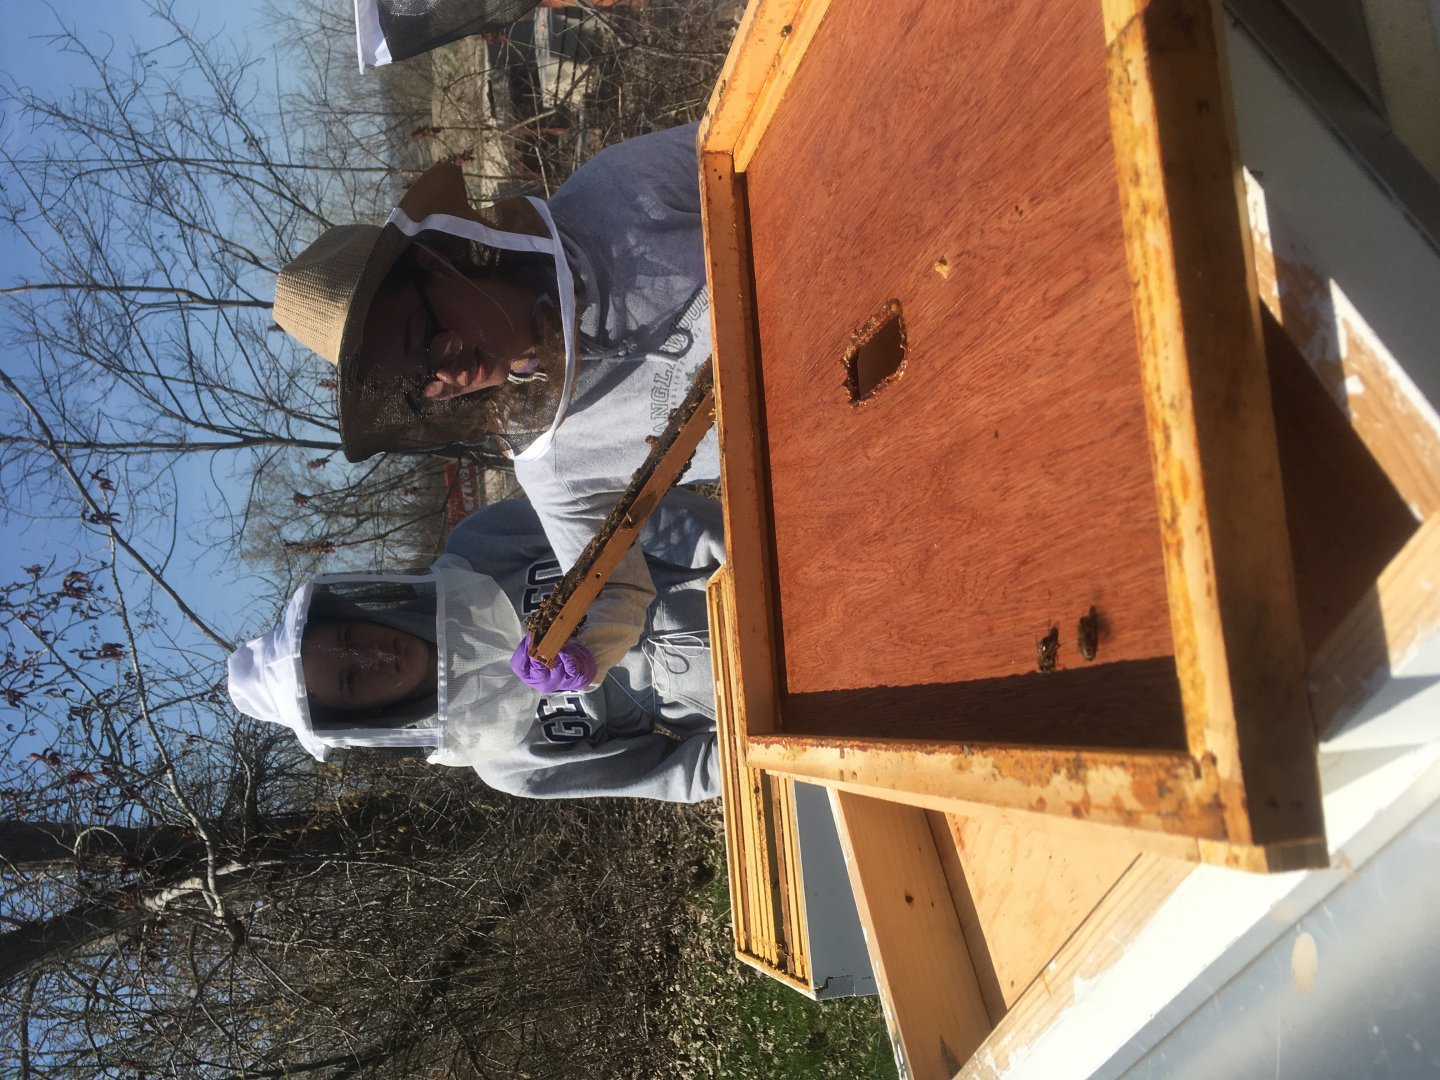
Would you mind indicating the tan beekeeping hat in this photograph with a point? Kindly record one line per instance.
(322, 296)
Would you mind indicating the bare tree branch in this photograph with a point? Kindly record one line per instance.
(102, 517)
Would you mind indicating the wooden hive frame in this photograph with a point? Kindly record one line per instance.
(766, 903)
(1245, 790)
(1004, 915)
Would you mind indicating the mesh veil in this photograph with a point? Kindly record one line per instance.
(404, 602)
(487, 710)
(513, 238)
(480, 706)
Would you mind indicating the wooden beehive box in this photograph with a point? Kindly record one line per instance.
(791, 906)
(987, 357)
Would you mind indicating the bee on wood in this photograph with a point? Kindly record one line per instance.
(1087, 633)
(1047, 649)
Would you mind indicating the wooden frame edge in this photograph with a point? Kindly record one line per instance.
(1274, 858)
(744, 99)
(1234, 616)
(1224, 758)
(1099, 942)
(738, 419)
(1164, 793)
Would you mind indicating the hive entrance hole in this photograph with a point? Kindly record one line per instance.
(876, 355)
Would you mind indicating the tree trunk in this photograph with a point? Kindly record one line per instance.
(289, 846)
(43, 943)
(36, 844)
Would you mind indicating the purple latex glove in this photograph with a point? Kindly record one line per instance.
(574, 668)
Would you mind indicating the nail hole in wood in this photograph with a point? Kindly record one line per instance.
(876, 356)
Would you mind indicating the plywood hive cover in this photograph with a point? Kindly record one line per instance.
(1080, 418)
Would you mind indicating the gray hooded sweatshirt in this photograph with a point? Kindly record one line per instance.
(647, 731)
(623, 252)
(629, 220)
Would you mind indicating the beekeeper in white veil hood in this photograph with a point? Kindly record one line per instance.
(394, 660)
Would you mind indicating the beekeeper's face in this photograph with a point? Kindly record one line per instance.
(438, 334)
(363, 665)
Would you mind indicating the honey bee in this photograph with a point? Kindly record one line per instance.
(1087, 633)
(1047, 649)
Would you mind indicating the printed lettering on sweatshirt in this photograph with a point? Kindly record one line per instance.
(562, 717)
(671, 381)
(540, 582)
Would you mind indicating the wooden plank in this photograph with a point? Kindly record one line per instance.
(1272, 858)
(761, 838)
(747, 846)
(1381, 633)
(716, 600)
(797, 926)
(1163, 792)
(1095, 946)
(1234, 618)
(1000, 483)
(1223, 563)
(763, 29)
(742, 460)
(781, 824)
(800, 986)
(1032, 890)
(973, 930)
(1390, 415)
(932, 1001)
(760, 879)
(794, 43)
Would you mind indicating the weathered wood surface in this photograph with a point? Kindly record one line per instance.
(767, 905)
(1022, 272)
(1165, 792)
(737, 413)
(932, 1000)
(1096, 945)
(1030, 890)
(1234, 617)
(1001, 484)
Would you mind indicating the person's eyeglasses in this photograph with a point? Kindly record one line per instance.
(414, 393)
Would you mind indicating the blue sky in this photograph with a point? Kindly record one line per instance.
(224, 588)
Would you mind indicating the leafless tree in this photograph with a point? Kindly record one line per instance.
(184, 893)
(158, 202)
(186, 896)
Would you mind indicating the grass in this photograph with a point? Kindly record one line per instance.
(727, 1020)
